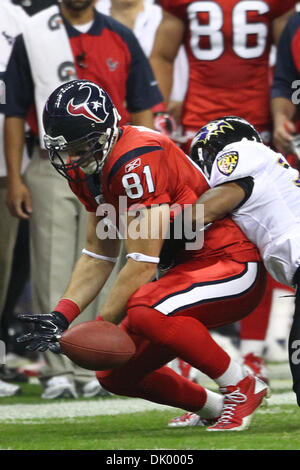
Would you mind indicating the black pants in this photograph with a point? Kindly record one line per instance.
(294, 340)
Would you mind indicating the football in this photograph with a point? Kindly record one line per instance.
(97, 345)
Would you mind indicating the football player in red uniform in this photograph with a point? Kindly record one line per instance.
(228, 47)
(144, 177)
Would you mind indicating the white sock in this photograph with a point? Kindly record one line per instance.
(231, 376)
(213, 406)
(255, 346)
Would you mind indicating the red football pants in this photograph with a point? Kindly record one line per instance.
(170, 318)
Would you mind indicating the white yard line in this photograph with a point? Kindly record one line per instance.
(90, 408)
(73, 409)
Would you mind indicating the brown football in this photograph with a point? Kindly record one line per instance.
(97, 345)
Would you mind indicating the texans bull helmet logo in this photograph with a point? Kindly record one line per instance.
(93, 105)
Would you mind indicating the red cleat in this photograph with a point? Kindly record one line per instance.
(255, 365)
(240, 402)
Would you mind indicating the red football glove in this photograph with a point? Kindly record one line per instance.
(165, 123)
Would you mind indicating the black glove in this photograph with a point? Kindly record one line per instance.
(48, 329)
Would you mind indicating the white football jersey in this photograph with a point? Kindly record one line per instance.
(270, 217)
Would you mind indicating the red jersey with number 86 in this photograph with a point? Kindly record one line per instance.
(228, 45)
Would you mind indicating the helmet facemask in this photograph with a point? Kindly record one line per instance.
(204, 157)
(90, 151)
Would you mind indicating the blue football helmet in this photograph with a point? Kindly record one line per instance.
(80, 121)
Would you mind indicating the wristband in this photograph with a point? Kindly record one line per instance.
(97, 256)
(159, 108)
(68, 309)
(143, 258)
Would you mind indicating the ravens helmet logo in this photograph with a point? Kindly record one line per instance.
(213, 128)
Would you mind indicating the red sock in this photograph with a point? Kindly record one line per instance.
(186, 336)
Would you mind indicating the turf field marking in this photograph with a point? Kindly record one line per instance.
(73, 409)
(115, 406)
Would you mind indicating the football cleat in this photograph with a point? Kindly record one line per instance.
(12, 375)
(185, 369)
(189, 420)
(240, 402)
(93, 389)
(59, 387)
(255, 365)
(9, 390)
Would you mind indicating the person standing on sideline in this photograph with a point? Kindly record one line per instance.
(60, 43)
(12, 20)
(143, 18)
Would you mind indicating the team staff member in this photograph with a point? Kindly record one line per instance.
(34, 6)
(207, 287)
(58, 44)
(12, 18)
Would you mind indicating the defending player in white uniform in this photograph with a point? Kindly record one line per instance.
(262, 193)
(271, 215)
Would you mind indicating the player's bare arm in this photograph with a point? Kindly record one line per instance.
(87, 279)
(136, 273)
(142, 118)
(18, 197)
(218, 202)
(164, 51)
(283, 111)
(90, 273)
(279, 23)
(282, 108)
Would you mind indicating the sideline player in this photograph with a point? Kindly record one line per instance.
(261, 191)
(228, 45)
(208, 287)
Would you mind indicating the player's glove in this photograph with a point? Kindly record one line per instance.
(165, 123)
(48, 329)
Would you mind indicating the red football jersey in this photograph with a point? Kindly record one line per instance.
(228, 45)
(147, 168)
